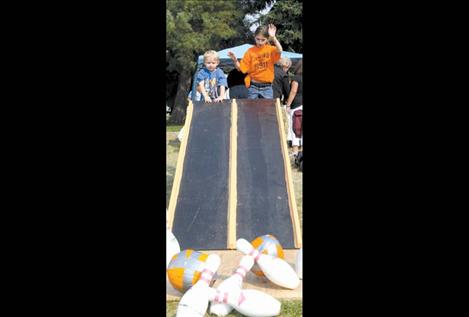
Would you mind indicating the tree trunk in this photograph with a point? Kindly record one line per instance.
(178, 115)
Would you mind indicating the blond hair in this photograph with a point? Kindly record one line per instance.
(284, 61)
(211, 53)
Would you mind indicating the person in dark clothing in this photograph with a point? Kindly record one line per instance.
(281, 83)
(236, 85)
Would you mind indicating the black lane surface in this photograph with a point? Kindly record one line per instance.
(200, 220)
(262, 206)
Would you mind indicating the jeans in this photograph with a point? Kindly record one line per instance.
(255, 92)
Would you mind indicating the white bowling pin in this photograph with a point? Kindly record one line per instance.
(194, 302)
(299, 263)
(275, 269)
(172, 246)
(248, 302)
(235, 281)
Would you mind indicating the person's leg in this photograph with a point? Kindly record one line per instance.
(301, 138)
(295, 145)
(295, 140)
(267, 92)
(291, 134)
(290, 127)
(253, 92)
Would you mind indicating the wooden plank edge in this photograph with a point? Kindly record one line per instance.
(179, 167)
(297, 236)
(232, 182)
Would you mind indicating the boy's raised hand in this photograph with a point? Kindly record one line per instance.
(272, 29)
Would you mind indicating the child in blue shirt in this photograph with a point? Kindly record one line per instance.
(210, 78)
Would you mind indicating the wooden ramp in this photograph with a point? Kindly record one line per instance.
(233, 177)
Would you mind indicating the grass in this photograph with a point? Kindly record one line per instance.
(173, 127)
(290, 308)
(172, 150)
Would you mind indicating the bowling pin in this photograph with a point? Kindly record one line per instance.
(277, 270)
(194, 302)
(248, 302)
(235, 281)
(299, 263)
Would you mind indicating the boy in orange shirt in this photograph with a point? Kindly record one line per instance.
(258, 62)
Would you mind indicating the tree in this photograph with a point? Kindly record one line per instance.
(193, 27)
(287, 16)
(252, 6)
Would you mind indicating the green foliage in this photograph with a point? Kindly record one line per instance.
(290, 308)
(253, 6)
(195, 26)
(287, 16)
(173, 127)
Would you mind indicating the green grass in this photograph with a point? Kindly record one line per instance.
(290, 308)
(298, 189)
(173, 127)
(172, 150)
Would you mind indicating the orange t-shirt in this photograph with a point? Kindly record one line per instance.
(259, 64)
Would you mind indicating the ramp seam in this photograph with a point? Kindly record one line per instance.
(232, 182)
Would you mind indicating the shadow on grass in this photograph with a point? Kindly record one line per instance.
(175, 143)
